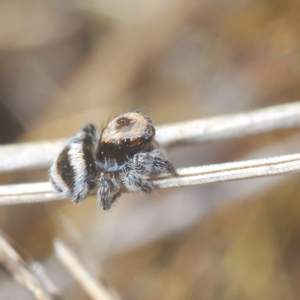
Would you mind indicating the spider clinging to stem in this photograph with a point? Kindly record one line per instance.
(124, 154)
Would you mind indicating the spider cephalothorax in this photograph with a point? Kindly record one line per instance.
(125, 153)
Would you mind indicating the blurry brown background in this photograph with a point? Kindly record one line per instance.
(66, 63)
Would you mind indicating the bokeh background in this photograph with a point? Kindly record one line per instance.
(66, 63)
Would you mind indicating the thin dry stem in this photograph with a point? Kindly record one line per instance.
(39, 155)
(279, 165)
(93, 287)
(230, 126)
(14, 264)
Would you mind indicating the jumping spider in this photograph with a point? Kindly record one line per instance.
(125, 153)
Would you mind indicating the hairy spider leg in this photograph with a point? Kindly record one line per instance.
(151, 162)
(136, 181)
(108, 191)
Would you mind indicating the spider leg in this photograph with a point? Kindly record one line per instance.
(136, 171)
(108, 192)
(152, 162)
(135, 179)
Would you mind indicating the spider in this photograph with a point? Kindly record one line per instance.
(124, 154)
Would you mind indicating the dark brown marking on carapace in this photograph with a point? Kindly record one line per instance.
(131, 126)
(124, 122)
(120, 150)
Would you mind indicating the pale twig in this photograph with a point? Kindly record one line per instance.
(14, 263)
(40, 192)
(27, 193)
(28, 156)
(255, 168)
(68, 258)
(39, 271)
(38, 155)
(230, 126)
